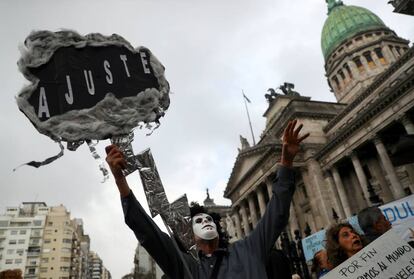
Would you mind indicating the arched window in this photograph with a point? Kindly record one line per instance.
(359, 65)
(368, 57)
(378, 52)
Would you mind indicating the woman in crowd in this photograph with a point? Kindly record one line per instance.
(342, 242)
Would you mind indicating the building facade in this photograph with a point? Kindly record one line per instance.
(145, 266)
(21, 233)
(358, 152)
(44, 243)
(96, 268)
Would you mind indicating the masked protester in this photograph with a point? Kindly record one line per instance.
(243, 259)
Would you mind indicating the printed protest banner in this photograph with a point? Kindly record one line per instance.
(401, 215)
(388, 257)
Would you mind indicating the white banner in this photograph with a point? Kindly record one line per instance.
(388, 257)
(400, 213)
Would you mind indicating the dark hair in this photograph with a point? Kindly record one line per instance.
(367, 218)
(196, 208)
(336, 254)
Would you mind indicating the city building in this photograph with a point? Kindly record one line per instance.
(358, 153)
(145, 266)
(57, 244)
(45, 243)
(21, 232)
(96, 268)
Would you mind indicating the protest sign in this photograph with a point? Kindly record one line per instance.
(388, 257)
(313, 244)
(400, 213)
(89, 87)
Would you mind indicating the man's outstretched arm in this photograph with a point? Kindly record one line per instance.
(276, 217)
(158, 244)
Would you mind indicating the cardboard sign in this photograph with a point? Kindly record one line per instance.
(90, 87)
(79, 78)
(388, 257)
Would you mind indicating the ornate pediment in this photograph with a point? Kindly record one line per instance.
(248, 162)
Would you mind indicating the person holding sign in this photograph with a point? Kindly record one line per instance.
(243, 259)
(342, 242)
(373, 223)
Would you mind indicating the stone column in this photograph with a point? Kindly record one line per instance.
(317, 216)
(376, 60)
(269, 185)
(293, 220)
(394, 51)
(238, 225)
(341, 191)
(243, 213)
(363, 182)
(252, 208)
(389, 56)
(335, 194)
(396, 187)
(364, 63)
(408, 124)
(353, 68)
(316, 178)
(261, 200)
(342, 82)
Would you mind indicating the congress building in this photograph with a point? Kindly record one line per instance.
(361, 148)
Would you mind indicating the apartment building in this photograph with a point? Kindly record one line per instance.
(45, 243)
(96, 267)
(21, 232)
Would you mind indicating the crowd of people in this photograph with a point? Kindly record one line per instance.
(343, 241)
(254, 256)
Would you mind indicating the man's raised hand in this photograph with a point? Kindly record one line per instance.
(291, 143)
(116, 161)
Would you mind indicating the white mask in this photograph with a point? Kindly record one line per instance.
(204, 226)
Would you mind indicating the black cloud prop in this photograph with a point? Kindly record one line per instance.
(90, 87)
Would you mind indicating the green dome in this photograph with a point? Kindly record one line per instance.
(344, 22)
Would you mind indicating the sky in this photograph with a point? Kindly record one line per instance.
(212, 50)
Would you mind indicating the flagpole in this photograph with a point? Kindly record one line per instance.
(248, 117)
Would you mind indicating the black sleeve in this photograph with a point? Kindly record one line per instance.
(157, 243)
(263, 237)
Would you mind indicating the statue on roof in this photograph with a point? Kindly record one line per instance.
(244, 143)
(208, 201)
(286, 88)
